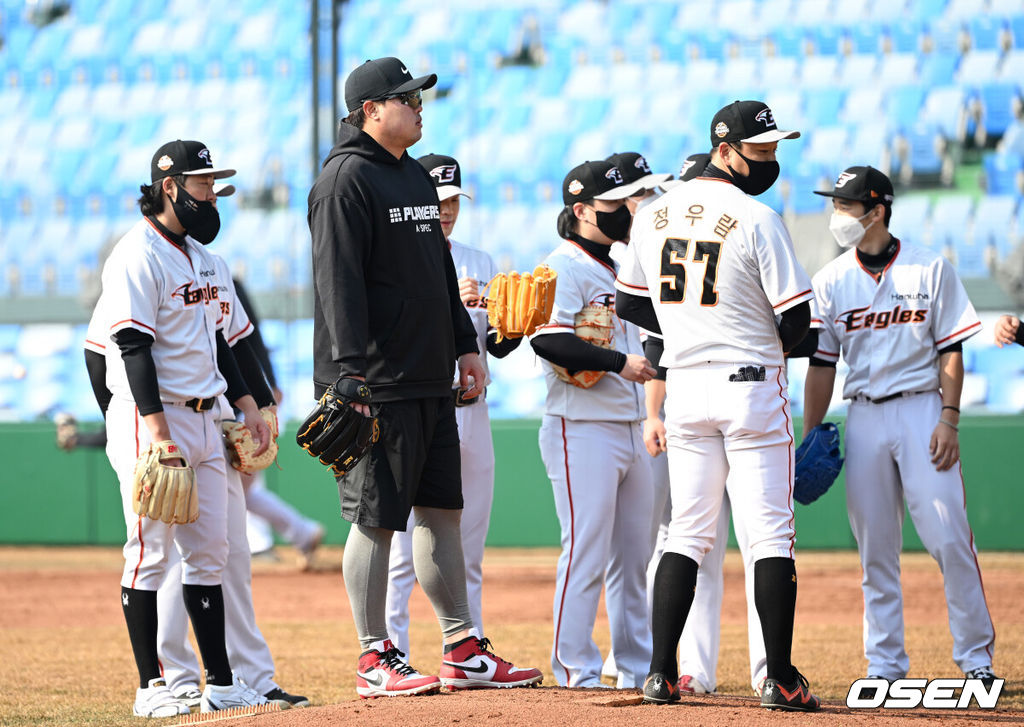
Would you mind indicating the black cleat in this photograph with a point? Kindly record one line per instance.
(660, 690)
(984, 673)
(795, 697)
(286, 700)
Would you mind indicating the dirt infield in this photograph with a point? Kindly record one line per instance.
(65, 657)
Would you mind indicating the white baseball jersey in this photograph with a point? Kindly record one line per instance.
(477, 264)
(584, 280)
(889, 331)
(718, 266)
(152, 285)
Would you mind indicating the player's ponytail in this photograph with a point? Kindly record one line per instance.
(150, 201)
(567, 223)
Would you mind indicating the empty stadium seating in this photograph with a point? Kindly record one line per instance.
(901, 84)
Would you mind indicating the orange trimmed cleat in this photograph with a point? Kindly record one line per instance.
(795, 697)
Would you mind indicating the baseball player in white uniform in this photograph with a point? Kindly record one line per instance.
(898, 315)
(591, 442)
(711, 268)
(475, 269)
(699, 643)
(170, 366)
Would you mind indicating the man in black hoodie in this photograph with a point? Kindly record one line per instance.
(387, 311)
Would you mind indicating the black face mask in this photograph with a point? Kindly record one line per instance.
(614, 225)
(200, 219)
(759, 179)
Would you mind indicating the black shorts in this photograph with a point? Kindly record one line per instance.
(416, 461)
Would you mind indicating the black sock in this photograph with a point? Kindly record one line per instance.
(775, 598)
(205, 606)
(674, 584)
(448, 648)
(140, 615)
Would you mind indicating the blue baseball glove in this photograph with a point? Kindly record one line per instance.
(817, 463)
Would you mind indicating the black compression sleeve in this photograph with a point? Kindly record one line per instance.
(575, 354)
(93, 440)
(794, 325)
(1018, 337)
(503, 349)
(806, 347)
(137, 354)
(958, 346)
(654, 348)
(96, 366)
(249, 365)
(636, 309)
(255, 338)
(815, 361)
(228, 367)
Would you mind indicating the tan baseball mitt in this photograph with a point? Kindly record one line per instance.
(517, 304)
(242, 448)
(594, 324)
(162, 491)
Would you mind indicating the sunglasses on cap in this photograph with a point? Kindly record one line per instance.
(412, 99)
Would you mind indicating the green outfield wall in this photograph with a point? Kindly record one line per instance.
(54, 497)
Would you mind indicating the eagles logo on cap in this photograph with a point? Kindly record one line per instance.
(721, 129)
(765, 117)
(444, 174)
(614, 174)
(844, 177)
(164, 163)
(575, 186)
(641, 164)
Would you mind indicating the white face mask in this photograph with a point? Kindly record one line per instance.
(847, 230)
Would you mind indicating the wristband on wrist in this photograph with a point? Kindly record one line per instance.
(954, 408)
(949, 424)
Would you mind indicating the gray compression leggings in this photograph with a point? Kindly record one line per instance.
(440, 569)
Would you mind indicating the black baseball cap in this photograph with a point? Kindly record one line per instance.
(693, 166)
(862, 184)
(594, 180)
(749, 121)
(379, 78)
(636, 172)
(184, 157)
(446, 175)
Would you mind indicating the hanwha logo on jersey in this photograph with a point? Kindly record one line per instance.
(614, 174)
(164, 163)
(575, 187)
(444, 174)
(844, 177)
(721, 129)
(765, 117)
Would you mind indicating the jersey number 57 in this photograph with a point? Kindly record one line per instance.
(673, 269)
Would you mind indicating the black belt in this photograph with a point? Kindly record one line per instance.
(890, 397)
(201, 404)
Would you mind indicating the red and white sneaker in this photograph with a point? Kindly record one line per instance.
(384, 674)
(472, 665)
(689, 685)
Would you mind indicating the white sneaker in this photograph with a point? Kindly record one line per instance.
(156, 700)
(190, 695)
(239, 694)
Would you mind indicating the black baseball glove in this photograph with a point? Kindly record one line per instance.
(817, 463)
(336, 433)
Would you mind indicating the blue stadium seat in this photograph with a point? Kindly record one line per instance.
(898, 69)
(819, 72)
(822, 106)
(910, 218)
(944, 106)
(977, 67)
(905, 35)
(789, 41)
(997, 103)
(865, 38)
(993, 223)
(903, 104)
(984, 31)
(1003, 173)
(825, 38)
(949, 222)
